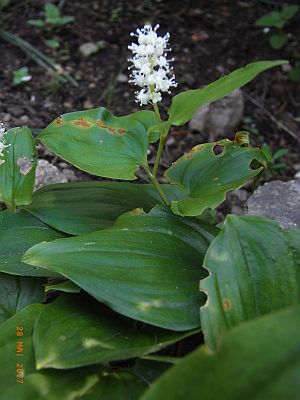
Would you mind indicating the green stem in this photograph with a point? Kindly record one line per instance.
(157, 186)
(162, 140)
(159, 153)
(156, 110)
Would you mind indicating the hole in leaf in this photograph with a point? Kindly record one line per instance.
(254, 165)
(24, 164)
(218, 150)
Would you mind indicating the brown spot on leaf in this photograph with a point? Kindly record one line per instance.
(25, 165)
(226, 304)
(193, 151)
(137, 211)
(113, 131)
(82, 122)
(59, 121)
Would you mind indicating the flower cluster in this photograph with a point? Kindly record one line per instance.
(2, 142)
(151, 67)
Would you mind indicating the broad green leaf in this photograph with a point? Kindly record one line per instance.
(17, 292)
(24, 320)
(70, 333)
(257, 360)
(99, 143)
(274, 19)
(115, 386)
(278, 40)
(84, 207)
(18, 232)
(36, 22)
(78, 384)
(207, 177)
(66, 286)
(17, 173)
(147, 266)
(154, 131)
(289, 11)
(149, 120)
(252, 271)
(185, 104)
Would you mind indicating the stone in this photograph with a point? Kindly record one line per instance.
(87, 104)
(87, 49)
(220, 118)
(47, 174)
(122, 78)
(279, 201)
(24, 119)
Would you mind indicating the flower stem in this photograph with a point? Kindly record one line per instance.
(158, 154)
(157, 186)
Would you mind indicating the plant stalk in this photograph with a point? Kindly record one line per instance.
(157, 186)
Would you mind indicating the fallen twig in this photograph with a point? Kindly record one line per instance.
(279, 124)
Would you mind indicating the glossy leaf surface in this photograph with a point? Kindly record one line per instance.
(84, 207)
(147, 266)
(254, 270)
(207, 176)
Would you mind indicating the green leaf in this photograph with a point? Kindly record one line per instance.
(146, 267)
(289, 11)
(36, 22)
(24, 319)
(259, 360)
(17, 173)
(82, 383)
(185, 104)
(18, 232)
(17, 292)
(66, 286)
(54, 43)
(274, 19)
(79, 383)
(70, 333)
(294, 74)
(99, 143)
(51, 11)
(154, 132)
(252, 271)
(280, 153)
(207, 176)
(21, 75)
(84, 207)
(115, 386)
(278, 40)
(67, 19)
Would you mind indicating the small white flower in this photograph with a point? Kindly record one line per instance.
(266, 29)
(3, 146)
(151, 67)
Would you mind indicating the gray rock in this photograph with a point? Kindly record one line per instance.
(122, 78)
(279, 201)
(46, 174)
(220, 118)
(87, 49)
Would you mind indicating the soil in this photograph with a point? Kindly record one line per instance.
(209, 38)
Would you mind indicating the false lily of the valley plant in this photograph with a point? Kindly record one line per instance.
(130, 270)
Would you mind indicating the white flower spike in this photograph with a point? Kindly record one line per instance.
(151, 68)
(3, 146)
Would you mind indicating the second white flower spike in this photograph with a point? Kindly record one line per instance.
(3, 146)
(151, 68)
